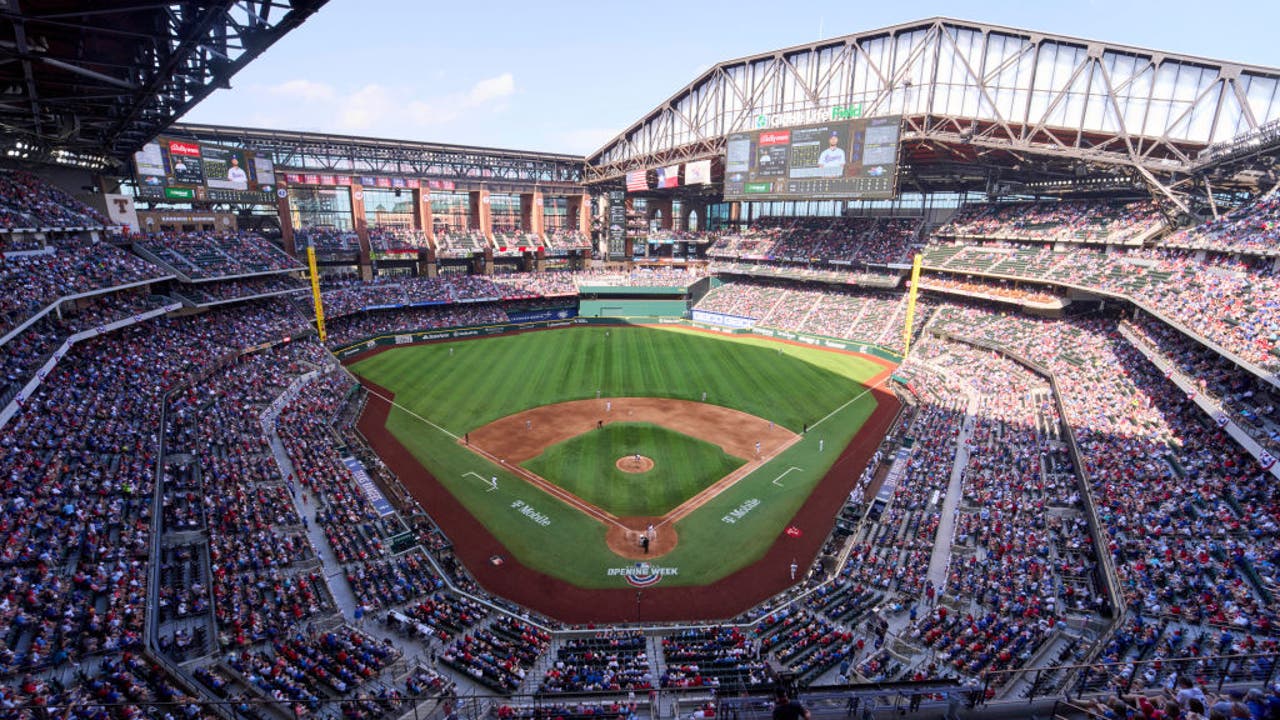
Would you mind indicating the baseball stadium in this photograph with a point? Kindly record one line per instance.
(927, 370)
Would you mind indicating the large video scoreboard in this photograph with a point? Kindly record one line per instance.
(186, 170)
(840, 159)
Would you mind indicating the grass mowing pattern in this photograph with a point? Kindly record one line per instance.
(487, 379)
(682, 466)
(483, 381)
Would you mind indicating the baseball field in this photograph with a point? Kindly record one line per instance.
(624, 457)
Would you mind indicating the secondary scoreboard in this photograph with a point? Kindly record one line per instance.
(840, 159)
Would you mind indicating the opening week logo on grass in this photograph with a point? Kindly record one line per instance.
(642, 574)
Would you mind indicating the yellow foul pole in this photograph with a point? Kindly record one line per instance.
(911, 305)
(315, 292)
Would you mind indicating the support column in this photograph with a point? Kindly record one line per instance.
(428, 218)
(536, 219)
(581, 205)
(286, 223)
(481, 214)
(427, 263)
(362, 231)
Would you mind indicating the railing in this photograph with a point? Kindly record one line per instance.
(1215, 674)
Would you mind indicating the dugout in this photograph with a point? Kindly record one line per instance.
(610, 301)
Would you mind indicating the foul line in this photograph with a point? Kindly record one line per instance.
(551, 489)
(853, 400)
(395, 404)
(784, 474)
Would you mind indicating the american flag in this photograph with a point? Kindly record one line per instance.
(636, 181)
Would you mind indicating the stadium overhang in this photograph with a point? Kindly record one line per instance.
(309, 152)
(89, 82)
(1012, 105)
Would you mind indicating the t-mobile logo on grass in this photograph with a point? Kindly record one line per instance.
(524, 509)
(740, 512)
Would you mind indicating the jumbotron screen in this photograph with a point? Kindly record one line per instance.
(841, 159)
(178, 169)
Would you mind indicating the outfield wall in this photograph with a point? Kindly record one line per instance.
(617, 307)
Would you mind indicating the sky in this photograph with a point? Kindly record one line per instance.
(568, 76)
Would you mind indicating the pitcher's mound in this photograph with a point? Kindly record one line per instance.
(634, 464)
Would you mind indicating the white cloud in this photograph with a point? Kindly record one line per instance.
(584, 140)
(364, 108)
(389, 109)
(303, 90)
(492, 88)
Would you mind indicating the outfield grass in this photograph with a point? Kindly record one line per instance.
(586, 466)
(482, 381)
(440, 395)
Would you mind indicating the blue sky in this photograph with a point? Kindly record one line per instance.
(568, 76)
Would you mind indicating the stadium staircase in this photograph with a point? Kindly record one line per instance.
(941, 558)
(657, 659)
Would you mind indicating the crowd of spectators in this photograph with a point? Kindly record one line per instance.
(304, 671)
(991, 289)
(894, 552)
(821, 240)
(1189, 516)
(1241, 395)
(256, 542)
(1192, 523)
(1084, 221)
(392, 581)
(1250, 228)
(831, 274)
(326, 240)
(638, 276)
(347, 297)
(562, 239)
(1231, 301)
(459, 242)
(510, 239)
(240, 289)
(851, 316)
(1021, 555)
(31, 283)
(722, 657)
(28, 350)
(394, 239)
(612, 661)
(79, 461)
(202, 255)
(698, 237)
(805, 642)
(26, 201)
(499, 655)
